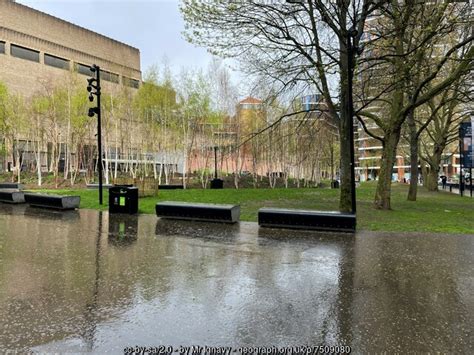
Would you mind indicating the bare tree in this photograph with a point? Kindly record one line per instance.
(445, 112)
(292, 43)
(400, 37)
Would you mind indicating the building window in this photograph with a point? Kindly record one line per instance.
(24, 53)
(2, 47)
(83, 69)
(106, 75)
(250, 106)
(56, 62)
(133, 83)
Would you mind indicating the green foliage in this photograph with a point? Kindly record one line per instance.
(3, 106)
(154, 96)
(195, 94)
(79, 107)
(437, 212)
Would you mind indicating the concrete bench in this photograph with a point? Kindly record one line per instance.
(53, 201)
(12, 196)
(305, 219)
(11, 185)
(198, 211)
(170, 187)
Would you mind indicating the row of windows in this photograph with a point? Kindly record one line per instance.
(133, 83)
(83, 69)
(57, 62)
(24, 53)
(251, 106)
(106, 75)
(61, 63)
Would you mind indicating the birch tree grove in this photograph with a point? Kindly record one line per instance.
(294, 43)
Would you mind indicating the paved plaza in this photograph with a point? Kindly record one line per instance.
(87, 281)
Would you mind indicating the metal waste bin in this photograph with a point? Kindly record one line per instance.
(123, 199)
(217, 184)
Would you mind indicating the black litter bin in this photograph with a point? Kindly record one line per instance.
(123, 199)
(217, 184)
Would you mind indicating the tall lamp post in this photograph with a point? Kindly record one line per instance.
(216, 183)
(94, 84)
(215, 162)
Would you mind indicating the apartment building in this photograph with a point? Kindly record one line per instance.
(371, 76)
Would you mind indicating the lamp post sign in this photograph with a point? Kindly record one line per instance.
(466, 153)
(465, 136)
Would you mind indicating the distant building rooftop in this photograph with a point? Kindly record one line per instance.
(250, 100)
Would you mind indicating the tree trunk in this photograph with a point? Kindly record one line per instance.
(116, 151)
(38, 164)
(413, 157)
(384, 185)
(345, 197)
(431, 181)
(345, 204)
(106, 159)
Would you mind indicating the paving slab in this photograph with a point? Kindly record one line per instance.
(93, 283)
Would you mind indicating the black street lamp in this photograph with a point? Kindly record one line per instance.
(94, 84)
(215, 162)
(216, 183)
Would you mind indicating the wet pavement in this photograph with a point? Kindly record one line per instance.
(84, 281)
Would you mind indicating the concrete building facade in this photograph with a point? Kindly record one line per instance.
(39, 52)
(36, 48)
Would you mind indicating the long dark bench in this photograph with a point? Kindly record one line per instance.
(53, 201)
(304, 219)
(198, 211)
(170, 187)
(452, 186)
(12, 196)
(11, 185)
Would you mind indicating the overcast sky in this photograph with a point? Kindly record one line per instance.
(153, 26)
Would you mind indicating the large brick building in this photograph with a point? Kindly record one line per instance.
(36, 48)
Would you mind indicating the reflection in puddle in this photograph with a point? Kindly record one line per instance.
(123, 229)
(52, 214)
(206, 230)
(94, 282)
(110, 281)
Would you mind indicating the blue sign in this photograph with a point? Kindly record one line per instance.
(465, 137)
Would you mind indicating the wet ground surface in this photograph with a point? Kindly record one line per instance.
(84, 281)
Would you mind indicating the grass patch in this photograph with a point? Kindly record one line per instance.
(440, 212)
